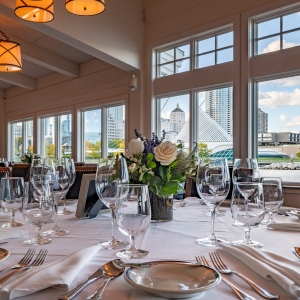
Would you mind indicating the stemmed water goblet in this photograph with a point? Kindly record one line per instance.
(59, 183)
(110, 174)
(244, 170)
(273, 196)
(12, 189)
(72, 176)
(133, 215)
(247, 207)
(39, 212)
(213, 184)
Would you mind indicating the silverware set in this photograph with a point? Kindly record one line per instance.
(221, 267)
(25, 263)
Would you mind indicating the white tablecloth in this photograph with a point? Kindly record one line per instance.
(171, 240)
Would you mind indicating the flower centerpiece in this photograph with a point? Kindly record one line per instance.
(28, 157)
(162, 165)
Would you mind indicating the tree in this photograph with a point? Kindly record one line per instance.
(50, 151)
(92, 150)
(18, 143)
(203, 150)
(298, 154)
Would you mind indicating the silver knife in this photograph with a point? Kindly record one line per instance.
(81, 286)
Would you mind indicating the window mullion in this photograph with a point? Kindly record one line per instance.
(104, 143)
(57, 136)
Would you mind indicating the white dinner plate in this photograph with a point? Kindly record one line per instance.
(4, 254)
(173, 280)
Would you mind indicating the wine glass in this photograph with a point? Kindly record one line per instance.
(133, 215)
(59, 186)
(37, 213)
(244, 170)
(110, 174)
(273, 196)
(12, 189)
(72, 175)
(213, 184)
(247, 207)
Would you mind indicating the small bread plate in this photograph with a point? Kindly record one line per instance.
(295, 213)
(4, 254)
(173, 281)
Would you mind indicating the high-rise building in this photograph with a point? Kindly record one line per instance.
(115, 123)
(218, 105)
(262, 125)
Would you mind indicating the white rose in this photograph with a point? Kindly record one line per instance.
(135, 146)
(165, 153)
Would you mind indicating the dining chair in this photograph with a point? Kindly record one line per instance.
(21, 170)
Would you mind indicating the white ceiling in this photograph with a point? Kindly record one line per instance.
(62, 45)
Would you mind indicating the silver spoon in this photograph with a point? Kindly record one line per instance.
(296, 251)
(111, 270)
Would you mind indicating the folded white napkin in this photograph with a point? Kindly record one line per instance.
(269, 265)
(12, 233)
(59, 273)
(285, 226)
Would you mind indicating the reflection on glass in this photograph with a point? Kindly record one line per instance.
(92, 135)
(291, 39)
(224, 55)
(206, 60)
(116, 129)
(49, 137)
(167, 69)
(166, 56)
(206, 45)
(66, 135)
(183, 65)
(268, 27)
(268, 45)
(291, 21)
(225, 39)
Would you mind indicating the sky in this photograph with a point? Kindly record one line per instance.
(279, 98)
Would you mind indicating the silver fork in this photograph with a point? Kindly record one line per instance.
(222, 268)
(23, 262)
(40, 258)
(237, 291)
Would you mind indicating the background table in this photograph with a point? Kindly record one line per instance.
(175, 240)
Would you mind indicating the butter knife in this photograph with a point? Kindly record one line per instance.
(81, 286)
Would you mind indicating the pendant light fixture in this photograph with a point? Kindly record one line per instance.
(39, 11)
(10, 55)
(85, 7)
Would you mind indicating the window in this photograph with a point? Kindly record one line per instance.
(174, 60)
(103, 132)
(21, 138)
(278, 122)
(56, 136)
(214, 50)
(277, 33)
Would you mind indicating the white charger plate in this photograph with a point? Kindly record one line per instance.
(172, 280)
(4, 254)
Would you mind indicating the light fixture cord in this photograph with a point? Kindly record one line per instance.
(4, 35)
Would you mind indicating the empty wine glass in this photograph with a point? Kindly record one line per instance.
(244, 170)
(273, 196)
(133, 215)
(213, 184)
(59, 186)
(72, 175)
(12, 189)
(110, 174)
(247, 207)
(37, 213)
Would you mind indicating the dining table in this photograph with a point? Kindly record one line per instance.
(173, 240)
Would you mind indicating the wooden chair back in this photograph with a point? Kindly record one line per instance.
(21, 170)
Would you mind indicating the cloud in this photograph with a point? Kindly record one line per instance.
(287, 82)
(275, 99)
(275, 46)
(293, 122)
(282, 118)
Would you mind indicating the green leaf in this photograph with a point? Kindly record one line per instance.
(149, 157)
(173, 164)
(162, 172)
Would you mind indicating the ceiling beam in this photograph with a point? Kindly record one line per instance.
(19, 80)
(47, 59)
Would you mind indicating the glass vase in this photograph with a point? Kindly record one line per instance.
(161, 207)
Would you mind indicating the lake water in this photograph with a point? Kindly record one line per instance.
(286, 175)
